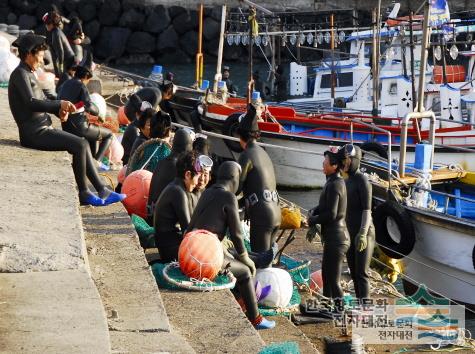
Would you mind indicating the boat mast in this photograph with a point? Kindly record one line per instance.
(413, 69)
(374, 68)
(332, 47)
(424, 46)
(218, 75)
(199, 54)
(250, 83)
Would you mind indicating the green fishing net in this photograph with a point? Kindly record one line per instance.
(144, 230)
(288, 347)
(177, 275)
(3, 84)
(147, 155)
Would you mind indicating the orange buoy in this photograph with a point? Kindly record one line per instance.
(200, 255)
(316, 281)
(123, 120)
(121, 174)
(137, 186)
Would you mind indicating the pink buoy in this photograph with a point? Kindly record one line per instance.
(121, 175)
(137, 186)
(115, 151)
(316, 281)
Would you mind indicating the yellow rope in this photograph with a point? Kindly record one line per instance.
(109, 179)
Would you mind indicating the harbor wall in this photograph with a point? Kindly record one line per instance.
(166, 31)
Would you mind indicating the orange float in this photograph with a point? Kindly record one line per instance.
(200, 255)
(316, 281)
(123, 120)
(137, 186)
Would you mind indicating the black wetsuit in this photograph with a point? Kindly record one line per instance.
(359, 200)
(330, 214)
(218, 211)
(75, 32)
(138, 141)
(61, 50)
(171, 218)
(232, 89)
(131, 133)
(259, 187)
(62, 79)
(28, 105)
(165, 171)
(152, 95)
(75, 91)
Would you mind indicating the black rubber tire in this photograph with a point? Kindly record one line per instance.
(339, 102)
(377, 148)
(230, 127)
(390, 247)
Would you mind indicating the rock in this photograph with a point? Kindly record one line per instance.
(111, 43)
(232, 52)
(27, 22)
(71, 5)
(211, 28)
(168, 39)
(135, 59)
(40, 29)
(46, 6)
(87, 10)
(157, 20)
(189, 43)
(110, 12)
(174, 11)
(211, 47)
(24, 6)
(92, 29)
(11, 19)
(132, 19)
(174, 57)
(4, 11)
(141, 42)
(185, 22)
(215, 13)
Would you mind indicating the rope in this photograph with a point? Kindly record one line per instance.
(109, 179)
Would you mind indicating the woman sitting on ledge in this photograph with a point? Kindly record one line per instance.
(30, 108)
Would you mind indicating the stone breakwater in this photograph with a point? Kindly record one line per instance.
(166, 31)
(127, 31)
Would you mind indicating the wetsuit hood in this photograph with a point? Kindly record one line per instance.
(182, 142)
(228, 174)
(248, 123)
(355, 160)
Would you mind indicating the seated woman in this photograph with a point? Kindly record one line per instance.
(217, 211)
(144, 123)
(173, 209)
(75, 90)
(133, 109)
(30, 108)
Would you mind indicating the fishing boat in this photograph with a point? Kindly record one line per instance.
(424, 214)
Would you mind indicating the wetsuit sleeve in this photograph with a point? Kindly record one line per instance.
(57, 44)
(365, 194)
(246, 167)
(180, 204)
(331, 211)
(231, 211)
(50, 94)
(25, 91)
(88, 105)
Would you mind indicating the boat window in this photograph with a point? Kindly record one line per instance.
(393, 89)
(342, 80)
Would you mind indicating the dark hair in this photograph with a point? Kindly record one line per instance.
(145, 116)
(247, 135)
(82, 72)
(167, 88)
(53, 18)
(201, 146)
(186, 162)
(161, 125)
(24, 53)
(335, 159)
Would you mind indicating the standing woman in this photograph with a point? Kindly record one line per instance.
(330, 214)
(76, 37)
(61, 50)
(358, 220)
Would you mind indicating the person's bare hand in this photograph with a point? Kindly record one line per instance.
(63, 116)
(67, 106)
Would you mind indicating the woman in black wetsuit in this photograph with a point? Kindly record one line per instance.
(75, 90)
(358, 220)
(30, 108)
(217, 211)
(330, 214)
(61, 50)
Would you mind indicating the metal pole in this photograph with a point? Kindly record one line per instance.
(374, 58)
(443, 48)
(332, 47)
(199, 54)
(378, 50)
(218, 76)
(422, 71)
(250, 83)
(413, 69)
(272, 76)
